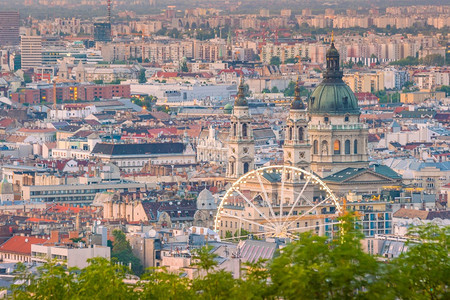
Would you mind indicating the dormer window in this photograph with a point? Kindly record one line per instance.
(326, 119)
(346, 119)
(345, 100)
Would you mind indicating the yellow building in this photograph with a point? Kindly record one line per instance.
(419, 97)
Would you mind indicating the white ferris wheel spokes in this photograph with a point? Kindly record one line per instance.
(270, 200)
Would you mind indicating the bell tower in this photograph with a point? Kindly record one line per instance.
(296, 148)
(241, 144)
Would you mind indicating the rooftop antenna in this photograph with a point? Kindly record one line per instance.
(332, 36)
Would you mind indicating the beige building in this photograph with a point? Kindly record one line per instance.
(420, 97)
(31, 47)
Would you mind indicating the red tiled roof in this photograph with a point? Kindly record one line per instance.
(20, 244)
(37, 220)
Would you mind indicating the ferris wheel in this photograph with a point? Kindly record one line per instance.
(277, 201)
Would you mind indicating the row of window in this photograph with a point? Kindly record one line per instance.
(336, 147)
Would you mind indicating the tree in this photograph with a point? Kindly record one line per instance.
(160, 284)
(291, 60)
(275, 60)
(184, 66)
(27, 78)
(142, 78)
(103, 279)
(433, 60)
(290, 90)
(422, 271)
(313, 268)
(444, 88)
(408, 61)
(274, 90)
(52, 281)
(122, 252)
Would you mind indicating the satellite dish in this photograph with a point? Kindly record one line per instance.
(99, 222)
(152, 233)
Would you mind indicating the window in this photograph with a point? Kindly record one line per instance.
(316, 147)
(347, 147)
(346, 119)
(355, 147)
(290, 133)
(337, 147)
(300, 133)
(246, 167)
(326, 119)
(244, 130)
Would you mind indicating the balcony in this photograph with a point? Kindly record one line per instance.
(338, 127)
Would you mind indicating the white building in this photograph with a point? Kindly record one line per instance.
(74, 257)
(185, 94)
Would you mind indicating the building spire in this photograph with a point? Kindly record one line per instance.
(297, 103)
(240, 98)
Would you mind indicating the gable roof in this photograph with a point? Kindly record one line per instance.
(350, 173)
(20, 244)
(406, 213)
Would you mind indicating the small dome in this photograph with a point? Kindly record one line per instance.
(332, 51)
(205, 200)
(228, 108)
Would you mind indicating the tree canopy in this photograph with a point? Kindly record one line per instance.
(313, 267)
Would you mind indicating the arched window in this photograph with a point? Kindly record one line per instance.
(234, 129)
(355, 147)
(244, 130)
(290, 133)
(300, 133)
(316, 147)
(246, 167)
(346, 119)
(337, 147)
(324, 148)
(347, 147)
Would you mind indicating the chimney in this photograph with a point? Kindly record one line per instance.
(54, 236)
(73, 234)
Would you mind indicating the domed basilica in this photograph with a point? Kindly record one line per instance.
(327, 137)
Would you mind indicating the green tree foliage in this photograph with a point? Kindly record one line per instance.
(445, 88)
(142, 78)
(275, 60)
(313, 267)
(184, 66)
(421, 272)
(291, 60)
(407, 61)
(290, 90)
(122, 252)
(161, 285)
(429, 60)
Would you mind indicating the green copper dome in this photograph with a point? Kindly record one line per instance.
(228, 109)
(333, 96)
